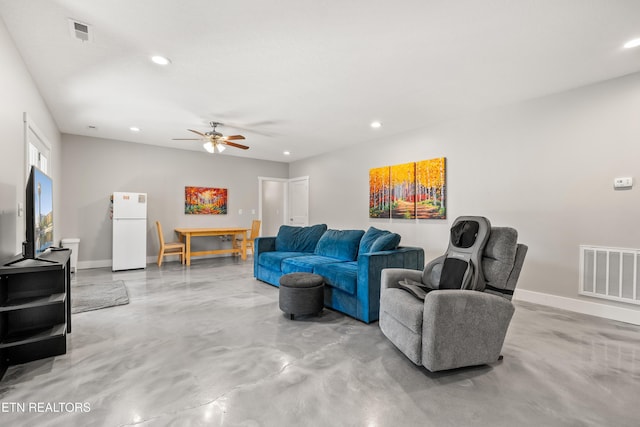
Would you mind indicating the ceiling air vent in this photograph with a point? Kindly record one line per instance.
(80, 31)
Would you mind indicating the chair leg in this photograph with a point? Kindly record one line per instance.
(160, 254)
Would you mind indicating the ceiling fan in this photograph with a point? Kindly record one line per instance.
(215, 141)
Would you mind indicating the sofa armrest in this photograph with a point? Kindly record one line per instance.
(370, 267)
(265, 244)
(391, 276)
(260, 245)
(463, 328)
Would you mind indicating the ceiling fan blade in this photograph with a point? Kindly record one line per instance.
(233, 137)
(233, 144)
(198, 133)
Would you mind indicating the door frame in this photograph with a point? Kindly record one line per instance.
(285, 199)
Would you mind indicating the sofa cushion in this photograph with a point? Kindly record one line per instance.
(340, 244)
(273, 260)
(369, 237)
(340, 275)
(388, 242)
(299, 239)
(304, 264)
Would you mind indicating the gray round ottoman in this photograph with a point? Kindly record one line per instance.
(301, 294)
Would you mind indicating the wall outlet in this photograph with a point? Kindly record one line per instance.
(625, 182)
(20, 209)
(239, 211)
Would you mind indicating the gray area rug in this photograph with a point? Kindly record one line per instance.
(94, 296)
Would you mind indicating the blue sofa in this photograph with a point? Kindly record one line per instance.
(350, 261)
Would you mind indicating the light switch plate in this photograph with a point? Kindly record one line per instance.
(624, 182)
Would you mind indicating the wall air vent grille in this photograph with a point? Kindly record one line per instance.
(80, 31)
(610, 273)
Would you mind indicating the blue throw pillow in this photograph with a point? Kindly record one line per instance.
(388, 242)
(299, 239)
(369, 238)
(340, 244)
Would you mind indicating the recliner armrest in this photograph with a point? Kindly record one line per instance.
(391, 276)
(463, 328)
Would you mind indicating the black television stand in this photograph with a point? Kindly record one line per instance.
(26, 261)
(35, 307)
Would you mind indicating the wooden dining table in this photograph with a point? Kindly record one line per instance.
(185, 235)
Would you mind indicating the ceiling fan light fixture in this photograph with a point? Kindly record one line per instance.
(208, 146)
(213, 147)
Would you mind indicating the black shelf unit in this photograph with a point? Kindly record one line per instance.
(35, 307)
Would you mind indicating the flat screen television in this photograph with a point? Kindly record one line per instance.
(39, 214)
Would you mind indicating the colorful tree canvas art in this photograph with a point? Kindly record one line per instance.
(205, 201)
(379, 193)
(430, 194)
(403, 186)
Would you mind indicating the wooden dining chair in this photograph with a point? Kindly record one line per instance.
(255, 232)
(169, 248)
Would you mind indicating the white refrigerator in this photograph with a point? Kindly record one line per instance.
(129, 231)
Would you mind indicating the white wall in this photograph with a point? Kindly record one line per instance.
(94, 168)
(19, 94)
(545, 167)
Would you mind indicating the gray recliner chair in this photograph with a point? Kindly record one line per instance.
(454, 328)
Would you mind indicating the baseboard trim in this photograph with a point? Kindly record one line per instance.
(86, 265)
(102, 263)
(620, 314)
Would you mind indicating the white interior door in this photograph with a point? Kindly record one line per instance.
(273, 207)
(299, 201)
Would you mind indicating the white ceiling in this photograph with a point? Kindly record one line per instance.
(309, 75)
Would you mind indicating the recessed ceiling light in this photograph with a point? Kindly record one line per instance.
(286, 153)
(632, 43)
(161, 60)
(376, 125)
(134, 129)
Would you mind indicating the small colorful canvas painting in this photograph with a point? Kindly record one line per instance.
(205, 201)
(403, 186)
(431, 188)
(379, 193)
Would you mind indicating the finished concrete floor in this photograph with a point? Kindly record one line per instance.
(206, 345)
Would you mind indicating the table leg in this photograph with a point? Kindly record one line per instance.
(234, 244)
(188, 248)
(244, 246)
